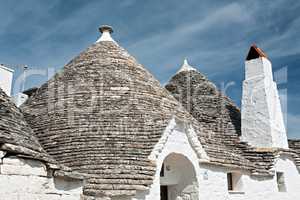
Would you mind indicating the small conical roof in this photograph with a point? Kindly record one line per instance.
(205, 102)
(203, 99)
(15, 134)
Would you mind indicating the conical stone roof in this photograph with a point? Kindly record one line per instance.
(102, 115)
(205, 102)
(15, 134)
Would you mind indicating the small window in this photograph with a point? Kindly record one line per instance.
(234, 182)
(162, 171)
(280, 182)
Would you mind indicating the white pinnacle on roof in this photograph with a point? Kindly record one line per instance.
(186, 67)
(106, 33)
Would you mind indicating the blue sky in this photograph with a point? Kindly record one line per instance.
(213, 35)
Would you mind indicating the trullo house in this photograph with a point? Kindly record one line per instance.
(103, 128)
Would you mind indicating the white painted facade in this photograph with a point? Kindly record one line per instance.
(26, 179)
(211, 181)
(262, 118)
(6, 76)
(174, 141)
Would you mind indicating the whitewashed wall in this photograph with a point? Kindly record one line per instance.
(6, 76)
(254, 188)
(212, 181)
(25, 179)
(175, 141)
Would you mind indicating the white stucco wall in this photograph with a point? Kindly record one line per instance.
(254, 188)
(262, 118)
(213, 184)
(174, 140)
(212, 180)
(26, 179)
(6, 76)
(267, 189)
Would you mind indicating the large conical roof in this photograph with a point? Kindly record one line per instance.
(102, 115)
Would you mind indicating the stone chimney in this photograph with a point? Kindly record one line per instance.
(6, 76)
(262, 118)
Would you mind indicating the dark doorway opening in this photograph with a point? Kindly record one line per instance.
(163, 192)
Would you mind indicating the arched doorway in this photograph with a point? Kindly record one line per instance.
(178, 179)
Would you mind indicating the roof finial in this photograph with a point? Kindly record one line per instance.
(185, 62)
(106, 30)
(186, 66)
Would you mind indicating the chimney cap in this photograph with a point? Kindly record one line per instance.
(106, 28)
(255, 52)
